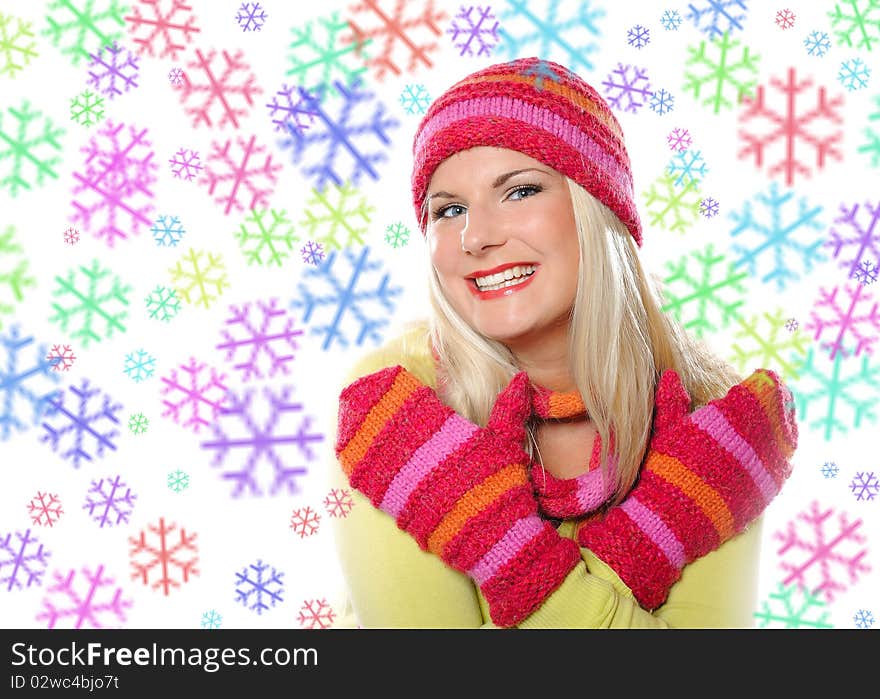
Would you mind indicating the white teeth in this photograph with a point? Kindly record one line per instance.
(508, 274)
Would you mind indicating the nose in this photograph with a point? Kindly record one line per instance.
(478, 233)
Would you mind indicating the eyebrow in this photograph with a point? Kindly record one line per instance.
(500, 180)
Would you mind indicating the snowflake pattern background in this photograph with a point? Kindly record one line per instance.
(258, 158)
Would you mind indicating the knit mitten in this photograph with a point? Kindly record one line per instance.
(706, 476)
(460, 490)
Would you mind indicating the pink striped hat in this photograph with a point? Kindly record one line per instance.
(539, 108)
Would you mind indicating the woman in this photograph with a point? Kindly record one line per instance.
(552, 450)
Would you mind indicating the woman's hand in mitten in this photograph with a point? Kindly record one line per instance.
(706, 476)
(460, 490)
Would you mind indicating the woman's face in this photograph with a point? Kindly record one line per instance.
(491, 208)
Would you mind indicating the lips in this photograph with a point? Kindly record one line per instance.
(505, 291)
(499, 268)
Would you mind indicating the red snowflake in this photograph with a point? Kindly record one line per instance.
(217, 89)
(338, 502)
(789, 128)
(45, 507)
(808, 560)
(849, 324)
(316, 614)
(71, 236)
(387, 29)
(785, 18)
(168, 554)
(250, 174)
(159, 24)
(61, 357)
(305, 521)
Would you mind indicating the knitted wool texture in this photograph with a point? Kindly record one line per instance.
(461, 491)
(539, 108)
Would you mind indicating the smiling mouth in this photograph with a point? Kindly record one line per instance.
(505, 284)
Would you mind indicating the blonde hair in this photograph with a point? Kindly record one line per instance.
(619, 343)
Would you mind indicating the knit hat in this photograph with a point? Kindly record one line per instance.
(539, 108)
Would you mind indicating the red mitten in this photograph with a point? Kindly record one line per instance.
(460, 490)
(706, 476)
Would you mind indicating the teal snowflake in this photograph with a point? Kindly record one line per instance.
(138, 423)
(415, 99)
(872, 132)
(858, 22)
(139, 365)
(178, 481)
(162, 303)
(335, 220)
(793, 607)
(211, 620)
(397, 235)
(719, 73)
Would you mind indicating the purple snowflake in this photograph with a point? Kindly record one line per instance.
(481, 30)
(679, 139)
(638, 36)
(866, 273)
(255, 585)
(198, 394)
(709, 207)
(268, 350)
(109, 502)
(627, 88)
(251, 17)
(185, 164)
(111, 67)
(312, 253)
(855, 235)
(791, 325)
(85, 601)
(288, 105)
(175, 76)
(21, 561)
(864, 486)
(851, 316)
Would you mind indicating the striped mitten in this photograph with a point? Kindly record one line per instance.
(460, 490)
(706, 476)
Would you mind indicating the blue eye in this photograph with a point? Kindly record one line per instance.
(441, 212)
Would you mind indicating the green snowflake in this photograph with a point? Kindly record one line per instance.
(789, 608)
(859, 26)
(332, 220)
(701, 290)
(86, 108)
(162, 303)
(271, 231)
(397, 235)
(665, 201)
(14, 277)
(872, 147)
(178, 481)
(93, 302)
(724, 88)
(761, 340)
(16, 51)
(84, 29)
(22, 150)
(199, 278)
(138, 423)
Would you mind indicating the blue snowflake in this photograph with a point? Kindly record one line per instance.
(671, 20)
(312, 252)
(854, 74)
(111, 67)
(570, 41)
(817, 43)
(723, 15)
(139, 365)
(251, 17)
(255, 585)
(342, 137)
(347, 299)
(167, 231)
(482, 31)
(638, 36)
(629, 83)
(864, 619)
(688, 167)
(211, 620)
(21, 560)
(865, 273)
(17, 382)
(112, 507)
(662, 102)
(542, 69)
(830, 469)
(767, 218)
(81, 422)
(865, 485)
(288, 105)
(709, 207)
(415, 99)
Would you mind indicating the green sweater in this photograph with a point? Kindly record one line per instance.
(392, 583)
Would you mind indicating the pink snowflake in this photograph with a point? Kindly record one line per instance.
(241, 182)
(71, 236)
(385, 27)
(169, 554)
(785, 18)
(787, 129)
(78, 599)
(679, 139)
(219, 99)
(305, 521)
(61, 357)
(158, 31)
(338, 502)
(198, 394)
(45, 507)
(185, 164)
(843, 317)
(316, 614)
(809, 560)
